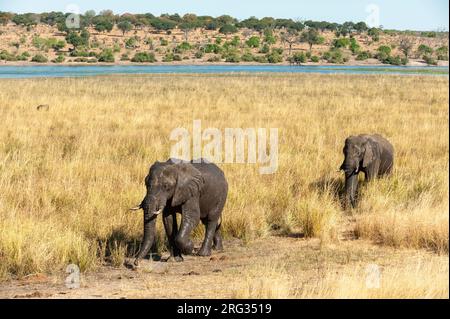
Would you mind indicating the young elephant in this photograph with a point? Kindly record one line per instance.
(371, 154)
(196, 190)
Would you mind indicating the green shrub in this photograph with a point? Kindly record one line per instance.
(269, 38)
(59, 59)
(228, 29)
(394, 60)
(278, 50)
(341, 43)
(214, 58)
(142, 57)
(233, 58)
(124, 57)
(424, 49)
(212, 48)
(260, 59)
(384, 54)
(364, 55)
(253, 42)
(442, 53)
(39, 43)
(315, 59)
(218, 40)
(199, 54)
(79, 53)
(274, 57)
(247, 57)
(265, 49)
(131, 43)
(5, 55)
(183, 47)
(39, 58)
(384, 49)
(81, 39)
(163, 42)
(22, 57)
(354, 46)
(298, 58)
(169, 57)
(116, 48)
(106, 55)
(429, 60)
(374, 33)
(335, 56)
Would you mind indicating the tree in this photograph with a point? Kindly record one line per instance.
(374, 33)
(311, 36)
(253, 42)
(361, 27)
(269, 38)
(405, 46)
(289, 37)
(77, 40)
(89, 17)
(125, 26)
(228, 29)
(103, 22)
(26, 19)
(5, 17)
(424, 50)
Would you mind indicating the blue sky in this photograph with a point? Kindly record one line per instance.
(397, 14)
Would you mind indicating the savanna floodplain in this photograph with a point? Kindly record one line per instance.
(69, 173)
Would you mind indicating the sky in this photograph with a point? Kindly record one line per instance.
(421, 15)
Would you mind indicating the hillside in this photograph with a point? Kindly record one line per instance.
(123, 40)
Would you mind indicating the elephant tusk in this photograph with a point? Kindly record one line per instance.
(136, 208)
(159, 211)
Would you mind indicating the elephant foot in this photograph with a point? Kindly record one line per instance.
(172, 259)
(203, 252)
(133, 265)
(185, 246)
(218, 246)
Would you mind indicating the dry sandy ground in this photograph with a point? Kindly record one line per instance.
(213, 277)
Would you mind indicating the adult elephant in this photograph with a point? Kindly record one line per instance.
(196, 189)
(371, 154)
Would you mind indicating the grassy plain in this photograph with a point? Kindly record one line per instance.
(69, 174)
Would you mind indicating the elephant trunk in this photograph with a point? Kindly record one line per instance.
(351, 186)
(149, 234)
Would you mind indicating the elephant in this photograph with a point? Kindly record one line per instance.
(371, 154)
(196, 189)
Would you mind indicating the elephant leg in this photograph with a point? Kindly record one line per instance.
(190, 219)
(171, 227)
(217, 240)
(372, 171)
(211, 227)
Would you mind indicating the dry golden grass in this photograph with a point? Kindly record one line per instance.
(68, 175)
(413, 275)
(421, 278)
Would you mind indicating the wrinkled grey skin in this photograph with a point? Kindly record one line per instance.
(371, 154)
(196, 190)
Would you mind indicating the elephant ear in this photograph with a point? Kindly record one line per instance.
(370, 151)
(189, 183)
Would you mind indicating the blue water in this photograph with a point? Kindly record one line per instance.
(37, 71)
